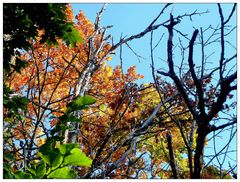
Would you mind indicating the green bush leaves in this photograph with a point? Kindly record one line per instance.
(80, 103)
(63, 173)
(77, 158)
(64, 156)
(56, 161)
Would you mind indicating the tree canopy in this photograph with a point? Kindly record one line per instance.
(21, 22)
(69, 114)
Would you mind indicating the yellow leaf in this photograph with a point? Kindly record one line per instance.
(109, 71)
(103, 107)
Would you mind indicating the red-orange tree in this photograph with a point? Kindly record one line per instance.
(57, 74)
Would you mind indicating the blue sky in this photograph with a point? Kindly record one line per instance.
(129, 19)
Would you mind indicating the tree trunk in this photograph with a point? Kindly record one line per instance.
(198, 157)
(71, 135)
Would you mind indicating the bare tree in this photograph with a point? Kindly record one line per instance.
(197, 97)
(194, 95)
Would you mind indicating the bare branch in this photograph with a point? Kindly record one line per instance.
(197, 82)
(172, 156)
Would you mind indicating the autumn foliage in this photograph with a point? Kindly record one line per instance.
(50, 82)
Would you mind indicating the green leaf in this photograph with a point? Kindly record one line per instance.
(103, 107)
(8, 156)
(80, 103)
(57, 161)
(71, 35)
(20, 102)
(46, 147)
(72, 107)
(85, 100)
(7, 173)
(7, 90)
(68, 118)
(77, 158)
(41, 169)
(22, 175)
(6, 166)
(62, 173)
(66, 148)
(5, 100)
(53, 157)
(32, 170)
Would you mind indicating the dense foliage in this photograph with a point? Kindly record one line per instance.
(21, 23)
